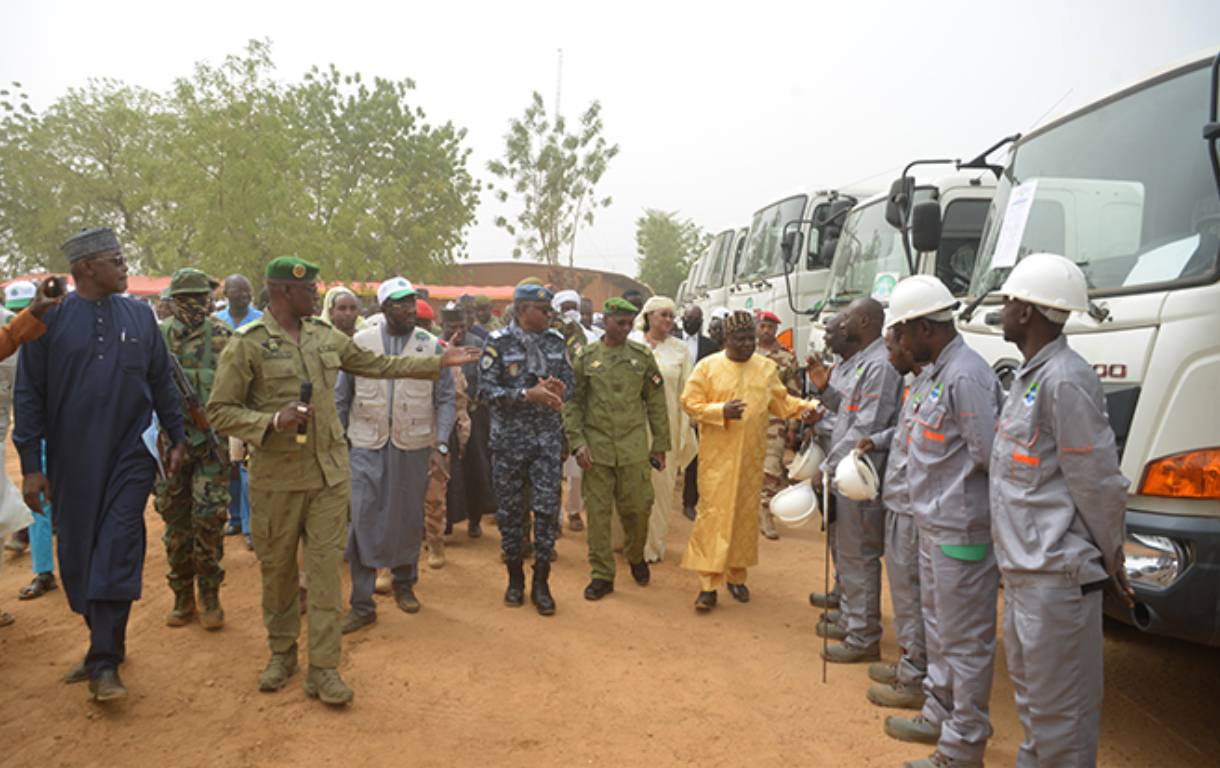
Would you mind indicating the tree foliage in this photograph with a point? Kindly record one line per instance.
(554, 175)
(232, 167)
(667, 246)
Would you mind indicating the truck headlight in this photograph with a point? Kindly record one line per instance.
(1155, 561)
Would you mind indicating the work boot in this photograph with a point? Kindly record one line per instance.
(184, 608)
(740, 592)
(706, 601)
(937, 760)
(883, 672)
(575, 523)
(474, 529)
(822, 600)
(897, 695)
(641, 573)
(598, 588)
(325, 684)
(107, 686)
(842, 653)
(830, 631)
(406, 601)
(78, 674)
(353, 621)
(279, 668)
(514, 596)
(540, 591)
(767, 525)
(436, 554)
(384, 583)
(833, 616)
(213, 616)
(917, 729)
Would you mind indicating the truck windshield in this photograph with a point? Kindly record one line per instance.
(869, 259)
(763, 256)
(1123, 190)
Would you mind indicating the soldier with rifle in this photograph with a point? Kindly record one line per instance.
(194, 501)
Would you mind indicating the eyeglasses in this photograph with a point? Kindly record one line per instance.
(117, 260)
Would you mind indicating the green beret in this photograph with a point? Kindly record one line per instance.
(617, 306)
(190, 280)
(291, 268)
(482, 301)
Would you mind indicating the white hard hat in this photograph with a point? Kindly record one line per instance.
(919, 296)
(856, 477)
(795, 505)
(805, 464)
(1050, 282)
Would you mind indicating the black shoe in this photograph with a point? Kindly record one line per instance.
(107, 686)
(689, 513)
(598, 588)
(514, 596)
(78, 674)
(473, 529)
(740, 592)
(640, 572)
(540, 591)
(705, 602)
(448, 528)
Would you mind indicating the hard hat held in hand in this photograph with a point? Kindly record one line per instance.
(805, 464)
(795, 505)
(920, 296)
(1048, 280)
(856, 477)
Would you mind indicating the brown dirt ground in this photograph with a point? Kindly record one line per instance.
(635, 678)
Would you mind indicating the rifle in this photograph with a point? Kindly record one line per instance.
(191, 404)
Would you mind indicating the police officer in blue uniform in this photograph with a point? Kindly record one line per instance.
(525, 378)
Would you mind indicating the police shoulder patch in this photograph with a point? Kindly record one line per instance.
(319, 321)
(251, 327)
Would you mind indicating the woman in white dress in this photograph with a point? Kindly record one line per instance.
(654, 327)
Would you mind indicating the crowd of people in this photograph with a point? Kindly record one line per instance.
(319, 434)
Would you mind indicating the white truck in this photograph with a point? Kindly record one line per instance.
(871, 258)
(1128, 187)
(800, 226)
(718, 271)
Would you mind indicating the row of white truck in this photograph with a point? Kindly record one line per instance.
(1128, 187)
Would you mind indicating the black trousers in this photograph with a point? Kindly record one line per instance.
(690, 484)
(107, 622)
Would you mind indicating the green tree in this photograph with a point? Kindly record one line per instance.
(667, 246)
(554, 175)
(232, 167)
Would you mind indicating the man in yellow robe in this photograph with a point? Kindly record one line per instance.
(732, 396)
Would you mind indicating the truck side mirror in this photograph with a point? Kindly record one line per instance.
(899, 202)
(790, 246)
(925, 226)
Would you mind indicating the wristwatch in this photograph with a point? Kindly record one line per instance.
(442, 449)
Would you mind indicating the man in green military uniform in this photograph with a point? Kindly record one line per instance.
(619, 398)
(300, 480)
(194, 501)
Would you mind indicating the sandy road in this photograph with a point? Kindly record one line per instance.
(637, 678)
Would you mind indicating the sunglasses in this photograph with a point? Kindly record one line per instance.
(117, 259)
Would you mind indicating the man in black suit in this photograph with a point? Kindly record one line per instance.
(700, 346)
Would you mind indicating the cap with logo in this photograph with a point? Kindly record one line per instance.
(395, 288)
(19, 294)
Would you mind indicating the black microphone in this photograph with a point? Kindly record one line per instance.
(306, 396)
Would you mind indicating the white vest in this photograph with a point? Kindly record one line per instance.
(412, 424)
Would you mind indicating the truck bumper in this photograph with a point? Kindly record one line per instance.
(1173, 563)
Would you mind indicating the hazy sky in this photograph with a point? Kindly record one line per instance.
(718, 108)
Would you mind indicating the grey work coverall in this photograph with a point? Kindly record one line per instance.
(837, 386)
(902, 540)
(950, 452)
(870, 404)
(1058, 501)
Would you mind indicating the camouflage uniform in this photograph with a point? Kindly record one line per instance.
(773, 461)
(194, 502)
(526, 440)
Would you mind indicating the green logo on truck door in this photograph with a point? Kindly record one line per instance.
(750, 303)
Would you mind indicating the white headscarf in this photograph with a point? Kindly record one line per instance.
(652, 305)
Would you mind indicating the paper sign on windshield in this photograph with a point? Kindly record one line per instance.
(883, 285)
(1008, 244)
